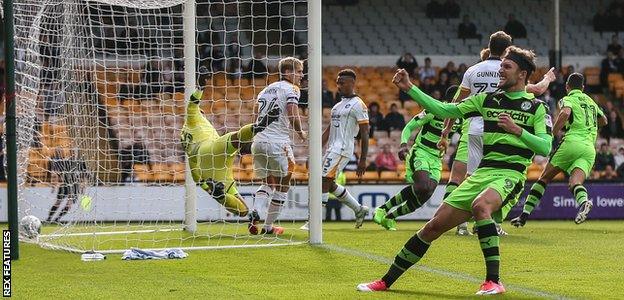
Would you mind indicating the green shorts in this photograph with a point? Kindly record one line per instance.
(507, 183)
(420, 159)
(462, 146)
(572, 154)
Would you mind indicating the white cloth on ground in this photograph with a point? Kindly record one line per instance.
(139, 254)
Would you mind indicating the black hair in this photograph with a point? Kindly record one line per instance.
(348, 73)
(576, 81)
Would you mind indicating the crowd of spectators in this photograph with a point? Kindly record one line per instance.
(610, 18)
(613, 63)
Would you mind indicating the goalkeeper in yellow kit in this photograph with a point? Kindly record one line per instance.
(210, 155)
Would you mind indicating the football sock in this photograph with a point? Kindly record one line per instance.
(409, 202)
(489, 241)
(412, 252)
(534, 197)
(275, 206)
(580, 193)
(345, 197)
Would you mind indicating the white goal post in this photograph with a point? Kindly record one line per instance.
(102, 88)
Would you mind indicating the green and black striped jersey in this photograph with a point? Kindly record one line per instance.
(501, 149)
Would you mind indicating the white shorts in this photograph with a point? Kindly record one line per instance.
(333, 164)
(475, 153)
(272, 159)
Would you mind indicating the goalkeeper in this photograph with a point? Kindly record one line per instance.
(211, 156)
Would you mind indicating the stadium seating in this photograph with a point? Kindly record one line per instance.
(370, 27)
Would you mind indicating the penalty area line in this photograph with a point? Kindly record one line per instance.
(445, 273)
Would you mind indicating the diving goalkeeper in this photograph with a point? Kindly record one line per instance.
(210, 155)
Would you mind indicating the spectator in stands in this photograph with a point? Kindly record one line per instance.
(375, 118)
(233, 49)
(407, 62)
(394, 120)
(619, 61)
(234, 69)
(451, 9)
(427, 70)
(327, 96)
(557, 87)
(443, 82)
(568, 72)
(550, 101)
(607, 66)
(434, 9)
(436, 94)
(609, 174)
(467, 29)
(619, 157)
(461, 70)
(604, 158)
(131, 155)
(615, 46)
(515, 28)
(449, 70)
(386, 160)
(427, 85)
(256, 67)
(614, 128)
(217, 61)
(619, 162)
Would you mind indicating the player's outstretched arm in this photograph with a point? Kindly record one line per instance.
(541, 87)
(440, 109)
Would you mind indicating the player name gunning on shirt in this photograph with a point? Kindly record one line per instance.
(488, 74)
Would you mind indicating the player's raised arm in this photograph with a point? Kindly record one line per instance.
(440, 109)
(541, 87)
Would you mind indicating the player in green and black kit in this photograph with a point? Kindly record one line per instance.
(516, 126)
(575, 155)
(423, 167)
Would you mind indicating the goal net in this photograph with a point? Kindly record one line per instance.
(102, 89)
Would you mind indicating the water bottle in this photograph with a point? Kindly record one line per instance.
(92, 256)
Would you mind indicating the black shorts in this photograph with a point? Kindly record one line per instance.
(70, 191)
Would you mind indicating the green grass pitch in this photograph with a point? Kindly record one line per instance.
(555, 259)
